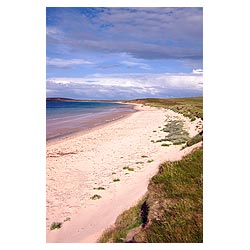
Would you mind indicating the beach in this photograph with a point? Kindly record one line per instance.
(94, 175)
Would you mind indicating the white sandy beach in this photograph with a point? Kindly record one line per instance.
(92, 159)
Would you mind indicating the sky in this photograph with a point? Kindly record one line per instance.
(124, 53)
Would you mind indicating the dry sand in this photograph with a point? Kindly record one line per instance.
(82, 162)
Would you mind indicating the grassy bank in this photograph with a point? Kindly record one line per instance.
(172, 210)
(189, 107)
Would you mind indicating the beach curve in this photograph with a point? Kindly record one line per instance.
(114, 162)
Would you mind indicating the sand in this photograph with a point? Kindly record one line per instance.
(80, 164)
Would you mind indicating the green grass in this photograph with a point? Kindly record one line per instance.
(55, 225)
(177, 194)
(197, 138)
(124, 223)
(175, 206)
(95, 197)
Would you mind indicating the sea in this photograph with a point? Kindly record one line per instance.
(64, 118)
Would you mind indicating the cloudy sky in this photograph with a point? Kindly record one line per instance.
(124, 53)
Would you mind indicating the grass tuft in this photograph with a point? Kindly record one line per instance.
(55, 225)
(129, 168)
(95, 197)
(197, 138)
(67, 219)
(99, 188)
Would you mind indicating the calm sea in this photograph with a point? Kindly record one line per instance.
(64, 118)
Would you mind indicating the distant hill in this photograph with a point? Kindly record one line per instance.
(60, 99)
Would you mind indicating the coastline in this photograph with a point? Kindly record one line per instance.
(77, 165)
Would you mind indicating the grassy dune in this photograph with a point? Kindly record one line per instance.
(172, 210)
(190, 107)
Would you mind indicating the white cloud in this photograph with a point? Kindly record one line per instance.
(128, 86)
(136, 64)
(197, 71)
(65, 63)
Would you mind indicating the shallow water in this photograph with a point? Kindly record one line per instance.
(64, 118)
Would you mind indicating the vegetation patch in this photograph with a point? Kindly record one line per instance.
(99, 188)
(175, 133)
(55, 225)
(149, 161)
(125, 222)
(144, 156)
(115, 180)
(95, 197)
(129, 168)
(161, 140)
(197, 138)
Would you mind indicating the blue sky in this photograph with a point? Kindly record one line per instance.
(124, 53)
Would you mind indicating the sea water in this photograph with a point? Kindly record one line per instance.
(64, 118)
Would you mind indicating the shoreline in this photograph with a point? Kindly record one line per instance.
(79, 165)
(80, 131)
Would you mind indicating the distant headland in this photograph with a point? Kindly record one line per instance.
(62, 99)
